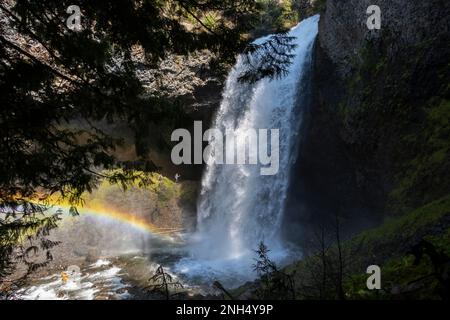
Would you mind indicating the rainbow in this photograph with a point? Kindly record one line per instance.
(136, 222)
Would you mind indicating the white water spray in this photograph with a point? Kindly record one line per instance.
(238, 207)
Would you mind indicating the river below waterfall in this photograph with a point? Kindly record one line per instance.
(126, 276)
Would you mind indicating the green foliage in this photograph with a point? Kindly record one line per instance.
(405, 277)
(152, 183)
(211, 20)
(273, 283)
(163, 283)
(395, 234)
(275, 16)
(271, 58)
(24, 228)
(425, 174)
(390, 246)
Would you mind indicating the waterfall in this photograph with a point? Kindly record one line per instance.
(239, 207)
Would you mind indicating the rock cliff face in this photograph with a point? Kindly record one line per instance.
(376, 139)
(343, 31)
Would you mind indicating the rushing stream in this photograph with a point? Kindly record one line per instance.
(238, 207)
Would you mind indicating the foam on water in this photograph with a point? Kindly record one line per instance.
(79, 287)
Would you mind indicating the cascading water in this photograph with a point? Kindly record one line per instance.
(238, 207)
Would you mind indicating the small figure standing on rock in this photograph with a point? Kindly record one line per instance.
(177, 177)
